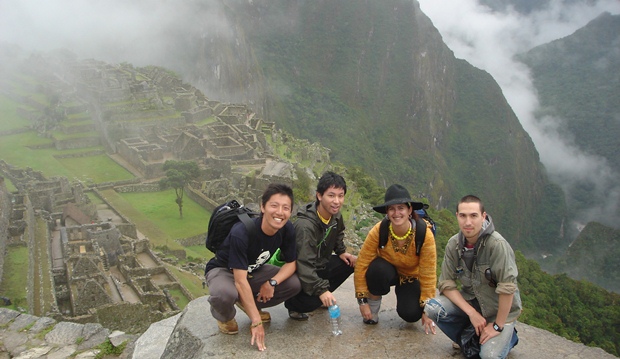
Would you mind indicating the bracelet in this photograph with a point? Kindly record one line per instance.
(253, 325)
(362, 301)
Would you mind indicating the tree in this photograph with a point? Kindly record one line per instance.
(178, 174)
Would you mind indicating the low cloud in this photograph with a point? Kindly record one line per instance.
(139, 32)
(490, 40)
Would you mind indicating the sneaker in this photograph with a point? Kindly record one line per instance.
(229, 327)
(265, 317)
(456, 346)
(375, 305)
(297, 315)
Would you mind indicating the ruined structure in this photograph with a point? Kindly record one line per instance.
(95, 259)
(94, 262)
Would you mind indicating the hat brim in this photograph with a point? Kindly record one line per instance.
(382, 208)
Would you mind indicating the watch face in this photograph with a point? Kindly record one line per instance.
(273, 282)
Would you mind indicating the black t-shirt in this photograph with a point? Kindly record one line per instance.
(240, 252)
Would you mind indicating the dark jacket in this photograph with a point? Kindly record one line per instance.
(315, 244)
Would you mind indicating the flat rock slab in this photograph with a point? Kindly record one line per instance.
(195, 335)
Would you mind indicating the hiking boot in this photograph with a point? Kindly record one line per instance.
(265, 317)
(297, 315)
(375, 305)
(229, 327)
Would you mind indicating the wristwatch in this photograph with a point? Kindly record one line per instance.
(273, 282)
(362, 301)
(497, 328)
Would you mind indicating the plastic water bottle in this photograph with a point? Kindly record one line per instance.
(334, 316)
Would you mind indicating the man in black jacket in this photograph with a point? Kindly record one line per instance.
(322, 261)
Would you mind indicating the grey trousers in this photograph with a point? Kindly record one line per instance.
(223, 293)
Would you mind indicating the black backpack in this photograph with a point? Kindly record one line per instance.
(420, 234)
(422, 213)
(223, 218)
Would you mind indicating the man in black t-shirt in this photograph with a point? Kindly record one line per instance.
(238, 274)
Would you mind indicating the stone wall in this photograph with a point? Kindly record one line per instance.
(81, 154)
(197, 114)
(138, 188)
(131, 318)
(29, 237)
(198, 240)
(107, 236)
(73, 143)
(5, 216)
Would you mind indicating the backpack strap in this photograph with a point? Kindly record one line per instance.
(383, 232)
(248, 223)
(420, 234)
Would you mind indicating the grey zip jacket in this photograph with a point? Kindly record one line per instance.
(315, 244)
(492, 251)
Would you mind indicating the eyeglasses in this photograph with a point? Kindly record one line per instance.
(489, 276)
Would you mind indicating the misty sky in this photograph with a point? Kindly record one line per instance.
(490, 40)
(138, 31)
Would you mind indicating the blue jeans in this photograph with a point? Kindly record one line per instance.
(452, 320)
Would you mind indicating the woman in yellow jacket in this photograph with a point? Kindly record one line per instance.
(397, 264)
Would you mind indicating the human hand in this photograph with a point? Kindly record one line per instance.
(488, 333)
(258, 336)
(327, 298)
(365, 311)
(349, 259)
(428, 324)
(266, 293)
(478, 321)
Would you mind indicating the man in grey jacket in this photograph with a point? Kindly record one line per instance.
(322, 261)
(484, 263)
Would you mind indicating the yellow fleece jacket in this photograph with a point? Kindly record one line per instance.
(423, 267)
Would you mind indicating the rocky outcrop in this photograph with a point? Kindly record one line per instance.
(27, 336)
(193, 333)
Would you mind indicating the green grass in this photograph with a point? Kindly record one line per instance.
(9, 119)
(43, 291)
(100, 168)
(15, 277)
(160, 208)
(9, 185)
(199, 252)
(180, 299)
(189, 281)
(18, 150)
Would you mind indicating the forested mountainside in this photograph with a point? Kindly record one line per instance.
(578, 84)
(593, 256)
(374, 82)
(577, 81)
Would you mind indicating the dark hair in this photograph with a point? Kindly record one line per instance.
(331, 179)
(277, 188)
(470, 198)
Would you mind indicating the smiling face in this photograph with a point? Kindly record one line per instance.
(276, 211)
(399, 214)
(470, 218)
(330, 202)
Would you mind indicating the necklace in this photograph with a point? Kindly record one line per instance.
(398, 238)
(323, 219)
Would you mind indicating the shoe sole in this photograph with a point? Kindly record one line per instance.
(229, 332)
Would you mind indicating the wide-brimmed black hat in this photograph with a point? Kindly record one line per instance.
(396, 194)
